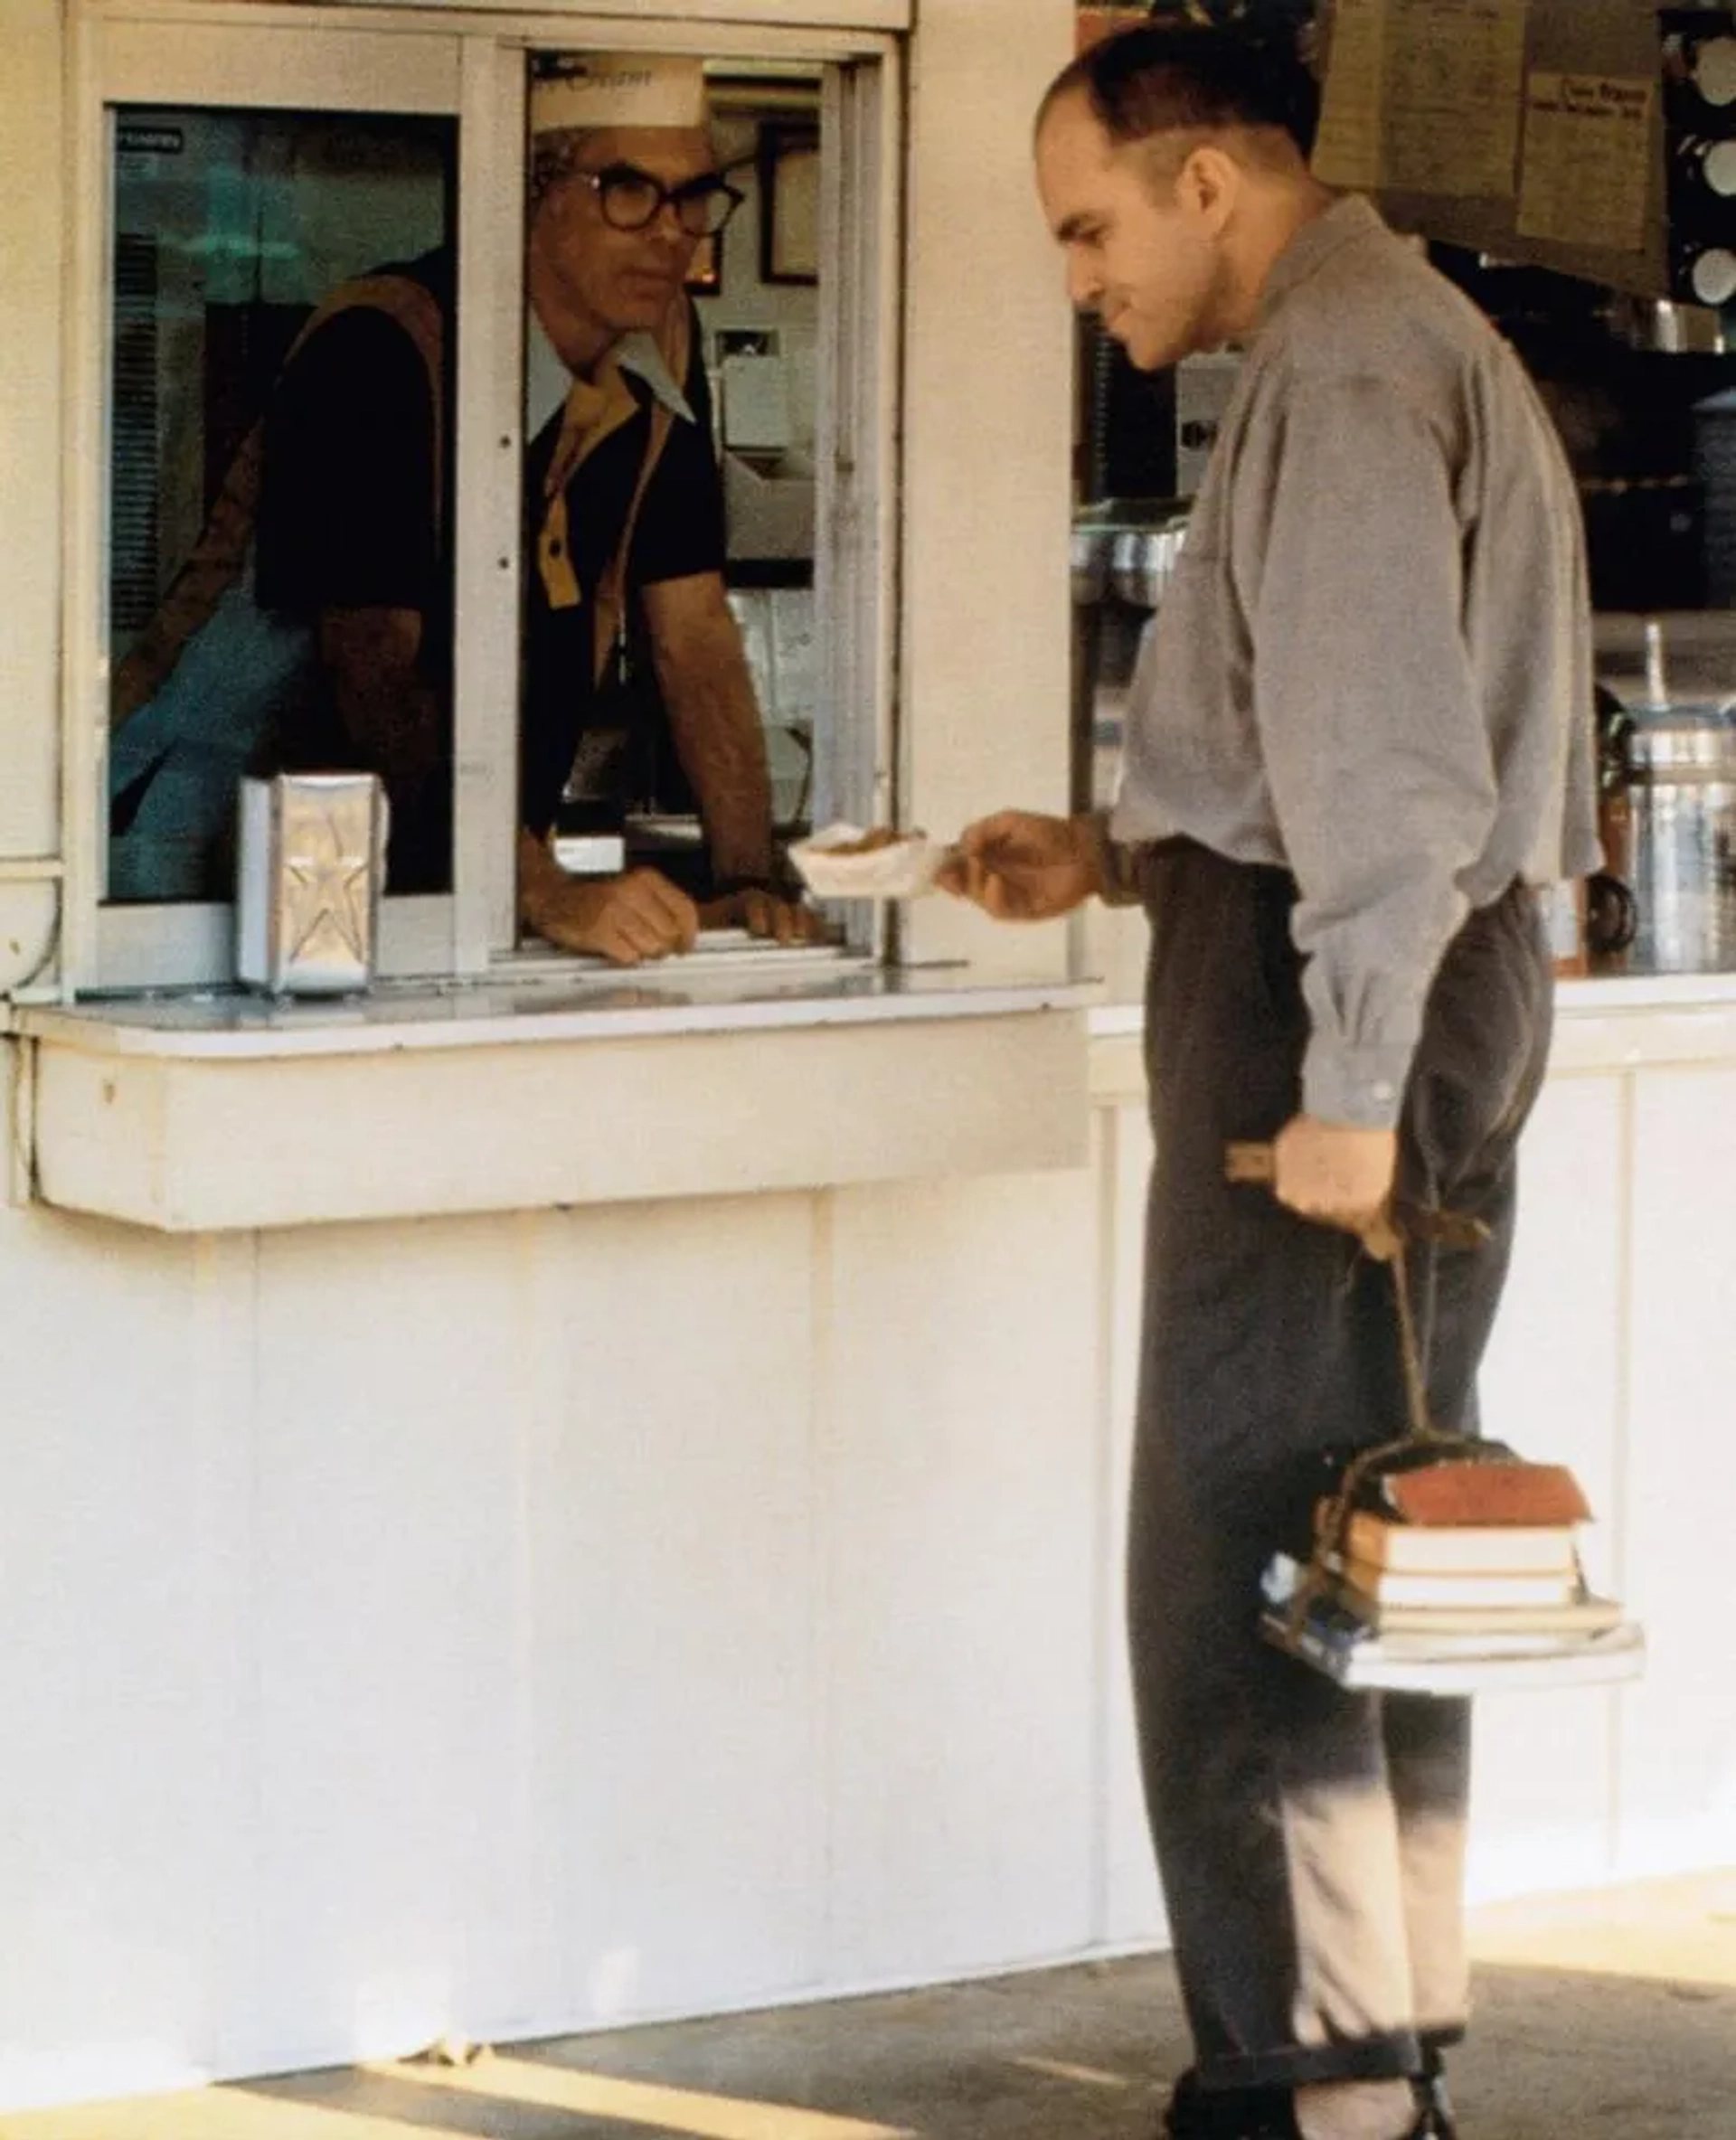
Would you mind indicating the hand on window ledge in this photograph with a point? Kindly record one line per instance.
(767, 915)
(625, 919)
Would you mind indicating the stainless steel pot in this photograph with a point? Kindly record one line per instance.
(1142, 563)
(1681, 766)
(1090, 558)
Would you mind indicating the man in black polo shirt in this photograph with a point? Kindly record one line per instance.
(623, 511)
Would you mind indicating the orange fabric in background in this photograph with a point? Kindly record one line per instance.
(1095, 23)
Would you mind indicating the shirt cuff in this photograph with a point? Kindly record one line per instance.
(1119, 873)
(1357, 1088)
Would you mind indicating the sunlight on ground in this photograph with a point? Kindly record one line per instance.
(633, 2102)
(212, 2114)
(241, 2114)
(1676, 1931)
(1086, 2076)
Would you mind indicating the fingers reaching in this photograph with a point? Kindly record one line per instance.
(1019, 865)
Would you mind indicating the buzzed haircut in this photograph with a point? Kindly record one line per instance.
(1161, 79)
(555, 155)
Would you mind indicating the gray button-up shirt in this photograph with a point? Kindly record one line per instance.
(1373, 666)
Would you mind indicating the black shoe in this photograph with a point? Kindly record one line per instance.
(1229, 2114)
(1432, 2101)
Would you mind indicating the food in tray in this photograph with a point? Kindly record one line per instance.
(848, 862)
(875, 840)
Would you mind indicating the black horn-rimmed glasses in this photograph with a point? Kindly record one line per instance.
(632, 199)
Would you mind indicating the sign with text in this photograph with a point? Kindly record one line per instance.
(1586, 170)
(1531, 130)
(1424, 96)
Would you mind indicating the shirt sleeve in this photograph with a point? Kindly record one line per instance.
(1348, 555)
(680, 529)
(347, 516)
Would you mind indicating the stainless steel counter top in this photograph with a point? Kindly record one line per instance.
(733, 993)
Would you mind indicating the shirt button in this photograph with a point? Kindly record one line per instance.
(1382, 1090)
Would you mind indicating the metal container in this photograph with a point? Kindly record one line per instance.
(1142, 563)
(309, 875)
(1089, 559)
(1680, 761)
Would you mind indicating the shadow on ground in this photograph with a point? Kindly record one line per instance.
(1069, 2054)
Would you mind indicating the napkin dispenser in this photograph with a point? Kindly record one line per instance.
(311, 865)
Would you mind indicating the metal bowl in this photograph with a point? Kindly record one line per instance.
(1090, 563)
(1691, 736)
(1142, 563)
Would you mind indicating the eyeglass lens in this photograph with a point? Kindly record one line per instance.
(632, 198)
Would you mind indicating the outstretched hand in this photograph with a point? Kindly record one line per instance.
(1019, 865)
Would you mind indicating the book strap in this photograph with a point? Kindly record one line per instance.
(1385, 1242)
(1416, 1390)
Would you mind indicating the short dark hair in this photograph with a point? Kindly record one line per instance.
(1161, 79)
(556, 156)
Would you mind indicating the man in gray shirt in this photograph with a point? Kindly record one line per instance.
(1360, 738)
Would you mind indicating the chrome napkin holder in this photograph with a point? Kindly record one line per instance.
(310, 870)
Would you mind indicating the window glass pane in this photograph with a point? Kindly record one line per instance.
(281, 587)
(673, 293)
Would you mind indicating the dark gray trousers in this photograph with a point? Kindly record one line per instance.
(1310, 1841)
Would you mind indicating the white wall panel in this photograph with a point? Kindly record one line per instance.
(988, 396)
(1678, 1744)
(125, 1678)
(32, 155)
(1553, 1386)
(676, 1608)
(962, 1569)
(391, 1440)
(33, 164)
(1130, 1906)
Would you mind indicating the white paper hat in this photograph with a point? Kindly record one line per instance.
(584, 90)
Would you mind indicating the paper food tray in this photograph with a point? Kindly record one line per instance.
(903, 869)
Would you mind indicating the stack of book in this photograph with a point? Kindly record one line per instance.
(1450, 1577)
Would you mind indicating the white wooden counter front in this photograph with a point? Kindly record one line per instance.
(711, 1077)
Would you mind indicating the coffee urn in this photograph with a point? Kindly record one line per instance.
(1674, 829)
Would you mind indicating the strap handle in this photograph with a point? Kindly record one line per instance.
(1384, 1240)
(1405, 1221)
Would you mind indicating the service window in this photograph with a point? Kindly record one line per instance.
(352, 396)
(671, 712)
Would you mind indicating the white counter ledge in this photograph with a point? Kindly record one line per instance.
(731, 991)
(713, 1076)
(1607, 1023)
